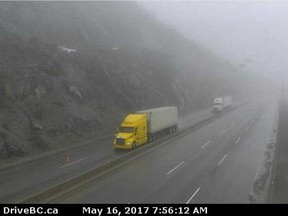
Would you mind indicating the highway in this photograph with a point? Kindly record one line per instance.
(24, 179)
(216, 163)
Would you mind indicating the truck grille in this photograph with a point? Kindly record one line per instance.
(120, 141)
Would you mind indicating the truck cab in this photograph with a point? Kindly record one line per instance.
(132, 132)
(218, 104)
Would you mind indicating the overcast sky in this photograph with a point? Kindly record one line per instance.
(250, 33)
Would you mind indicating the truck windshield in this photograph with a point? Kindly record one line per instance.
(127, 129)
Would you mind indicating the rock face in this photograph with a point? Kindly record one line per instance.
(69, 71)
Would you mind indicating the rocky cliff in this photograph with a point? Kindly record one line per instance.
(69, 71)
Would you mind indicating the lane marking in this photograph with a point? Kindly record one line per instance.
(73, 163)
(246, 129)
(238, 140)
(233, 123)
(222, 160)
(193, 195)
(205, 144)
(175, 168)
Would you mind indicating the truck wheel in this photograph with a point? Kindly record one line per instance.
(134, 145)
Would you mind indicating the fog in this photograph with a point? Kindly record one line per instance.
(84, 84)
(250, 34)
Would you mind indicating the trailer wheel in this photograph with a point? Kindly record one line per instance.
(134, 145)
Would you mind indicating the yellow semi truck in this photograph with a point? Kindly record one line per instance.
(145, 126)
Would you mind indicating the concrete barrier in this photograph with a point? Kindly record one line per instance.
(71, 184)
(75, 182)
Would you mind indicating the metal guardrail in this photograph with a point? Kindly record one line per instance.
(263, 181)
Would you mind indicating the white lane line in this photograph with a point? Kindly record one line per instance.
(175, 168)
(222, 160)
(246, 129)
(193, 195)
(205, 144)
(233, 123)
(223, 131)
(72, 163)
(238, 140)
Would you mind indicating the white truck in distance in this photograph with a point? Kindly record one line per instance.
(222, 103)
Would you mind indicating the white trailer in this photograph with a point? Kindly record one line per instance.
(161, 120)
(227, 102)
